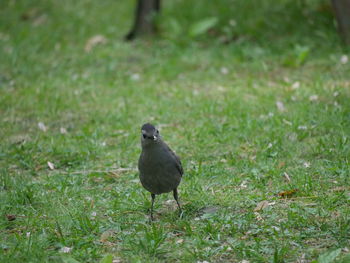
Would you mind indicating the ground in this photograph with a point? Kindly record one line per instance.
(257, 108)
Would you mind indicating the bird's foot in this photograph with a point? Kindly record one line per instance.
(151, 218)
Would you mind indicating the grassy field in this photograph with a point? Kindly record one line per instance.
(258, 109)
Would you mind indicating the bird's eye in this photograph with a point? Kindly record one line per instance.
(157, 132)
(144, 136)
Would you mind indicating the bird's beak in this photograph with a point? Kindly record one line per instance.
(155, 138)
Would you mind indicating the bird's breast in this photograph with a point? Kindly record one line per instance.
(158, 173)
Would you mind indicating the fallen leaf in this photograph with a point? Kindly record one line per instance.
(51, 165)
(135, 77)
(195, 92)
(313, 98)
(258, 216)
(344, 59)
(243, 184)
(296, 85)
(286, 176)
(224, 71)
(179, 241)
(93, 41)
(276, 228)
(288, 193)
(65, 249)
(63, 130)
(42, 126)
(261, 205)
(280, 106)
(105, 235)
(287, 122)
(302, 127)
(136, 181)
(221, 88)
(306, 164)
(11, 217)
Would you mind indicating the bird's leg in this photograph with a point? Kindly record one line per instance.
(153, 197)
(177, 201)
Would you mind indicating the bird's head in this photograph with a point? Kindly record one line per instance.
(149, 134)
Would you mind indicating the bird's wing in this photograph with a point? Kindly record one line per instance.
(177, 161)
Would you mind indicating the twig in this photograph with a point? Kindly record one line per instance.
(119, 170)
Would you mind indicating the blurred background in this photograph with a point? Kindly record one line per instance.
(244, 91)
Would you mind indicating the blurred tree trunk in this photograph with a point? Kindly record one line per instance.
(144, 18)
(342, 13)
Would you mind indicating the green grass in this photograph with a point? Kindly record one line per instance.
(235, 143)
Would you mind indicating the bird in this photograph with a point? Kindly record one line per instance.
(160, 169)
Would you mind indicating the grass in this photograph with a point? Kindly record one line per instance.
(242, 106)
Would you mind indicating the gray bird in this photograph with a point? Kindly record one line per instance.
(160, 168)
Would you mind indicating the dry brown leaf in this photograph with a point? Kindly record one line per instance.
(11, 217)
(281, 164)
(93, 41)
(261, 205)
(105, 235)
(288, 193)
